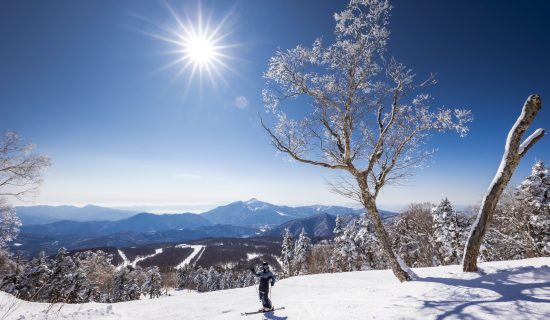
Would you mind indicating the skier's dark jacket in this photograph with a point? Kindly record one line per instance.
(265, 278)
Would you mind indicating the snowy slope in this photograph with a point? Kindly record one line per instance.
(502, 290)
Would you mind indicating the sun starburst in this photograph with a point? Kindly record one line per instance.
(199, 47)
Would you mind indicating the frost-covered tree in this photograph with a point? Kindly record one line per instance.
(68, 282)
(99, 271)
(21, 172)
(446, 234)
(182, 278)
(302, 248)
(336, 257)
(226, 280)
(370, 253)
(507, 237)
(362, 113)
(7, 265)
(357, 247)
(412, 235)
(9, 224)
(126, 285)
(534, 196)
(153, 282)
(287, 253)
(200, 280)
(36, 278)
(212, 279)
(348, 249)
(514, 151)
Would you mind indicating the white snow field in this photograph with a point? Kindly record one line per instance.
(501, 290)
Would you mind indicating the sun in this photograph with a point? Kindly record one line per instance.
(201, 50)
(199, 47)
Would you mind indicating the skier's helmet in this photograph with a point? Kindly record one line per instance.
(265, 265)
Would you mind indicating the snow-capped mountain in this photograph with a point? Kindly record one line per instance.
(258, 213)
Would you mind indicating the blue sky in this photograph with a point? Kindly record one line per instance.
(82, 80)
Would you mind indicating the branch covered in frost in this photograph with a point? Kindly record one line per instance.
(20, 169)
(358, 111)
(530, 141)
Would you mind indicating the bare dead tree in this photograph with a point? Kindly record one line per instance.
(354, 116)
(514, 151)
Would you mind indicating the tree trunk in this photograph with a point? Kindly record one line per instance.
(370, 206)
(513, 153)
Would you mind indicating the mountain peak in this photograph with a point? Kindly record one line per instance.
(252, 201)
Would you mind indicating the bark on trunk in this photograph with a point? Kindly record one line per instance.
(372, 210)
(514, 151)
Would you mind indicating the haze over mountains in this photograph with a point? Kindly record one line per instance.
(78, 228)
(47, 214)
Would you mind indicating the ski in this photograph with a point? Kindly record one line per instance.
(256, 312)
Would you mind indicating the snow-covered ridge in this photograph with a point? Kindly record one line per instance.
(502, 290)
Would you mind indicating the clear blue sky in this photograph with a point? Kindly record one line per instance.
(81, 79)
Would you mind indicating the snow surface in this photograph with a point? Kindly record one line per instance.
(250, 256)
(501, 290)
(196, 250)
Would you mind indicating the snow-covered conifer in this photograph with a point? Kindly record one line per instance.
(287, 253)
(302, 248)
(35, 279)
(212, 279)
(68, 281)
(534, 195)
(153, 282)
(446, 234)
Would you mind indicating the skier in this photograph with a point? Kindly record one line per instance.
(266, 276)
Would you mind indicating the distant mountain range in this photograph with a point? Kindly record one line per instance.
(251, 213)
(237, 219)
(319, 226)
(32, 215)
(141, 222)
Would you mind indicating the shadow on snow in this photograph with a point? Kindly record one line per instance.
(500, 283)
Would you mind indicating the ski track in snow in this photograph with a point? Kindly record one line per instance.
(196, 250)
(138, 259)
(501, 290)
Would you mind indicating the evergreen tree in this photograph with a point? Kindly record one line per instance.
(181, 278)
(446, 234)
(68, 281)
(35, 279)
(302, 248)
(369, 253)
(153, 282)
(99, 271)
(199, 280)
(126, 285)
(411, 234)
(212, 279)
(534, 195)
(287, 253)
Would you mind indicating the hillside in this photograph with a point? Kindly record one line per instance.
(502, 290)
